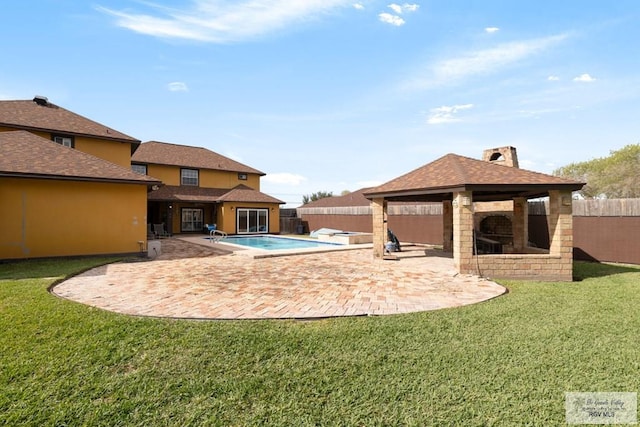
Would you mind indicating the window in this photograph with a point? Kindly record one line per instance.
(252, 220)
(141, 169)
(192, 219)
(189, 177)
(67, 141)
(242, 176)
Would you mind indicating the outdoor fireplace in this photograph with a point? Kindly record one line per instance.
(496, 227)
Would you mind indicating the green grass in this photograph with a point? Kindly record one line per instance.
(508, 361)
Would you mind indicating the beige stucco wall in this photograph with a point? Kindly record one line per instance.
(170, 175)
(112, 151)
(227, 215)
(45, 218)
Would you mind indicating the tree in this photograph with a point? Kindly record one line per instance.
(316, 196)
(612, 177)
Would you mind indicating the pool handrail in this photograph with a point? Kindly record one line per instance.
(216, 235)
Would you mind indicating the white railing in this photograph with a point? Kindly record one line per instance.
(216, 235)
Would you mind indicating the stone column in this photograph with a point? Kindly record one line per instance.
(379, 214)
(520, 224)
(560, 222)
(447, 226)
(462, 207)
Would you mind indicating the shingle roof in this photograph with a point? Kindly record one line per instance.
(29, 115)
(162, 153)
(241, 193)
(185, 193)
(355, 198)
(23, 154)
(458, 173)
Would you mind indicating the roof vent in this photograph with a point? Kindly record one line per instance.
(41, 100)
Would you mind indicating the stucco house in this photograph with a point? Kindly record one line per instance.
(52, 122)
(66, 186)
(72, 186)
(57, 201)
(203, 187)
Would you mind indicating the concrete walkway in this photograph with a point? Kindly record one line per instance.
(200, 281)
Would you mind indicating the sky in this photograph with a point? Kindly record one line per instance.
(334, 95)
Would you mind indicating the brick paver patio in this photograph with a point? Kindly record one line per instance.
(198, 281)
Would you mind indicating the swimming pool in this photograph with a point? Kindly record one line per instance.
(274, 243)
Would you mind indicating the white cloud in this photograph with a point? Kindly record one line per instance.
(388, 18)
(358, 6)
(491, 30)
(410, 7)
(284, 178)
(178, 87)
(225, 21)
(399, 9)
(584, 78)
(553, 78)
(486, 61)
(396, 8)
(446, 114)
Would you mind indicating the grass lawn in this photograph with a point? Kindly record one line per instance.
(507, 361)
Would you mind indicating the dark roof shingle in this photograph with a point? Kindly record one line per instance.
(23, 154)
(29, 115)
(458, 172)
(162, 153)
(174, 193)
(241, 193)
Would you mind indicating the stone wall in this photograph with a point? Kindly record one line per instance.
(542, 267)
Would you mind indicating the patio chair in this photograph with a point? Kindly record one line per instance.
(160, 231)
(150, 234)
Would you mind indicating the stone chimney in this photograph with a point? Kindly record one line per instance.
(505, 156)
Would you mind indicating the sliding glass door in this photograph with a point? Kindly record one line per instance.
(252, 220)
(192, 219)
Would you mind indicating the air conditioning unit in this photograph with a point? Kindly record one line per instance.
(153, 248)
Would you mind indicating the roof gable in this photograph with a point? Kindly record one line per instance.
(242, 193)
(162, 153)
(48, 117)
(23, 154)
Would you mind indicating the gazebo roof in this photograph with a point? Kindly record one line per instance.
(436, 181)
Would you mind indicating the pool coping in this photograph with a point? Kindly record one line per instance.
(263, 253)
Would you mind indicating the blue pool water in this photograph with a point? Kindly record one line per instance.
(272, 243)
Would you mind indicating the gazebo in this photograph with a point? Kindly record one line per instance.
(463, 185)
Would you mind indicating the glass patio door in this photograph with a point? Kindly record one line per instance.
(252, 220)
(192, 219)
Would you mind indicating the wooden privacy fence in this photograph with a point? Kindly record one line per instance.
(422, 209)
(598, 207)
(603, 230)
